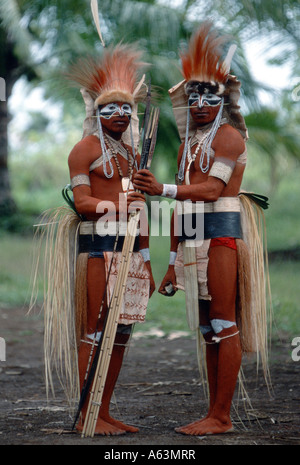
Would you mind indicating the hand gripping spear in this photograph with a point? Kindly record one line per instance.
(99, 368)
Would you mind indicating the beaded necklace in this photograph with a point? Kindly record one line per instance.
(192, 157)
(125, 180)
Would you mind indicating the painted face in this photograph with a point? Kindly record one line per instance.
(115, 117)
(114, 109)
(204, 107)
(207, 99)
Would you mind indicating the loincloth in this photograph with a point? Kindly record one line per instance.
(221, 225)
(202, 264)
(136, 295)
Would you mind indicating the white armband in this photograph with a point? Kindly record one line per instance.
(173, 256)
(222, 168)
(146, 254)
(169, 190)
(80, 179)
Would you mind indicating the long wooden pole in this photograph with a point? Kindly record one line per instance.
(111, 328)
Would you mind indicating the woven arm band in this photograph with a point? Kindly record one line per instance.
(80, 179)
(222, 168)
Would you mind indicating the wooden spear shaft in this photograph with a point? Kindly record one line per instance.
(111, 327)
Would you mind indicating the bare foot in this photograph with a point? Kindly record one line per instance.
(120, 425)
(206, 426)
(103, 428)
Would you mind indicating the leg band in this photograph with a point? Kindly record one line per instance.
(94, 336)
(204, 329)
(217, 339)
(218, 325)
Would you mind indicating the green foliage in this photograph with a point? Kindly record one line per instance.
(285, 297)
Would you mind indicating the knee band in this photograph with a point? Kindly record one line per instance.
(95, 337)
(204, 329)
(218, 325)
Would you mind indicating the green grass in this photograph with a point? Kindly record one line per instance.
(284, 278)
(15, 272)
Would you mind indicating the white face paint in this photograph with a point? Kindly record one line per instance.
(210, 100)
(112, 109)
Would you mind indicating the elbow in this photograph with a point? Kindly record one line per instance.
(80, 208)
(213, 194)
(81, 205)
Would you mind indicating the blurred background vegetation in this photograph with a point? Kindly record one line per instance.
(41, 120)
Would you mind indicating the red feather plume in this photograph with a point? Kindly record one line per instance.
(202, 60)
(115, 75)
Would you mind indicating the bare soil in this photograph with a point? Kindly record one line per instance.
(158, 389)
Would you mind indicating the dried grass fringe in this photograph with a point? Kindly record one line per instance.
(58, 233)
(260, 311)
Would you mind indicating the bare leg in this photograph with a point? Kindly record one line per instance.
(218, 419)
(223, 358)
(102, 427)
(112, 376)
(106, 425)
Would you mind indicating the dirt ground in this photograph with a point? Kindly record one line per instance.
(158, 389)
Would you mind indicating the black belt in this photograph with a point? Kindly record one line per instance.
(201, 226)
(89, 243)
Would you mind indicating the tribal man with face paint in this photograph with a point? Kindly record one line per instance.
(211, 162)
(101, 167)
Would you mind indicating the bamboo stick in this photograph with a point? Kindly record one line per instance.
(110, 330)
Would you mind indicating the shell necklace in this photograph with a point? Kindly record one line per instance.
(192, 157)
(114, 147)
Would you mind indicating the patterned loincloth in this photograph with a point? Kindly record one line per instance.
(202, 264)
(136, 295)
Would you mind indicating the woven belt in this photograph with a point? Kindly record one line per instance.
(91, 242)
(199, 226)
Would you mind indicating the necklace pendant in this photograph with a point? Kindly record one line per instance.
(127, 185)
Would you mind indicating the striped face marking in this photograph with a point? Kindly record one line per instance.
(113, 109)
(208, 99)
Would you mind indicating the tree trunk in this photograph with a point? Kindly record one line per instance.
(7, 204)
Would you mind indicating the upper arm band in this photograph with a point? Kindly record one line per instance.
(222, 169)
(80, 179)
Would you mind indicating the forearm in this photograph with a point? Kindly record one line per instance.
(94, 208)
(207, 191)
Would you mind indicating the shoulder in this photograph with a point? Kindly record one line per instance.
(180, 151)
(228, 139)
(86, 149)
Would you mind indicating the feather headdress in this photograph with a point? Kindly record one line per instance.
(113, 77)
(202, 62)
(204, 70)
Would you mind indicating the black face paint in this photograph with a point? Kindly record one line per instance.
(208, 99)
(112, 109)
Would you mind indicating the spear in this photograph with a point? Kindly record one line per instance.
(145, 126)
